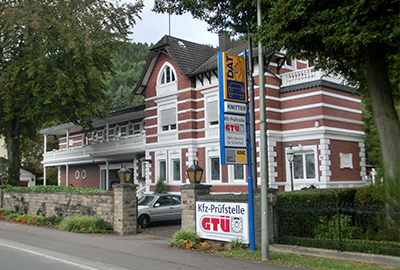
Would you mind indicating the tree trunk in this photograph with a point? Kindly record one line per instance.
(13, 150)
(385, 115)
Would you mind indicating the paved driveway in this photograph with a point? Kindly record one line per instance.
(162, 229)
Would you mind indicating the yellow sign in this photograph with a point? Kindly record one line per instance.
(234, 77)
(241, 156)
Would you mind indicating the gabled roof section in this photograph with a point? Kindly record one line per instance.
(187, 55)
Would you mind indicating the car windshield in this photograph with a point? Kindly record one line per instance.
(146, 200)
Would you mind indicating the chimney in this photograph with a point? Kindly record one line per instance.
(224, 42)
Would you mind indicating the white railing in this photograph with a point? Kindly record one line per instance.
(122, 145)
(308, 75)
(128, 144)
(74, 152)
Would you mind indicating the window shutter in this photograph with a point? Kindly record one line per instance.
(168, 117)
(212, 111)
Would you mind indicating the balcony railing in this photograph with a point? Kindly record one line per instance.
(122, 145)
(308, 75)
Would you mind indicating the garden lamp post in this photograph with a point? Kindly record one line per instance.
(124, 174)
(4, 180)
(194, 172)
(290, 155)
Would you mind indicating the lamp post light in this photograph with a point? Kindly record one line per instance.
(124, 174)
(290, 155)
(4, 180)
(194, 172)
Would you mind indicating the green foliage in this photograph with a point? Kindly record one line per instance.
(161, 186)
(30, 219)
(329, 228)
(235, 244)
(370, 196)
(183, 236)
(12, 217)
(4, 212)
(55, 66)
(53, 189)
(51, 221)
(84, 224)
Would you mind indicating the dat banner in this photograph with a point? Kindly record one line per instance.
(222, 221)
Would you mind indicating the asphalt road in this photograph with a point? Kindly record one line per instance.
(147, 250)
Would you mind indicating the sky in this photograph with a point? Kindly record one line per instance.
(154, 26)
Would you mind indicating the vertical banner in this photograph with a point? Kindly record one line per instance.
(233, 108)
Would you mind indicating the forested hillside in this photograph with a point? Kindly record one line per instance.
(129, 64)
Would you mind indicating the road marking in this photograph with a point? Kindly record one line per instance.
(75, 261)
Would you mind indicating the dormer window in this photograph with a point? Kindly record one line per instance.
(167, 75)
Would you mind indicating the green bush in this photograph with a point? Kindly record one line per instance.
(161, 187)
(235, 244)
(5, 212)
(13, 216)
(30, 219)
(329, 228)
(183, 236)
(51, 221)
(84, 224)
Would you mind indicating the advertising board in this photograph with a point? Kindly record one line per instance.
(222, 221)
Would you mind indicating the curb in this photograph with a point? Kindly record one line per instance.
(383, 260)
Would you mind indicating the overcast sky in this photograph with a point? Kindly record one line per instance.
(154, 26)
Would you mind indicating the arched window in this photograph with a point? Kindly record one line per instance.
(167, 75)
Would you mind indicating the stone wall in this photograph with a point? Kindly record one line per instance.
(118, 208)
(61, 204)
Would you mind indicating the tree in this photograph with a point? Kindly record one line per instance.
(54, 57)
(356, 39)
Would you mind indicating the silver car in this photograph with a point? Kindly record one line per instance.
(158, 207)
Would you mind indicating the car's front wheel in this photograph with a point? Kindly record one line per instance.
(144, 221)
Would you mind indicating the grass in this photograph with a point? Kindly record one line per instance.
(301, 261)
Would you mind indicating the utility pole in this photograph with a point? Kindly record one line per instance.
(263, 148)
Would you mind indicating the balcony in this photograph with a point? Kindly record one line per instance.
(119, 146)
(57, 157)
(101, 149)
(309, 75)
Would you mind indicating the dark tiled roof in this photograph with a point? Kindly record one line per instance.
(188, 56)
(212, 64)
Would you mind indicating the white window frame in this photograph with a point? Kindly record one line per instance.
(174, 155)
(306, 149)
(173, 180)
(170, 87)
(167, 104)
(213, 153)
(231, 173)
(292, 64)
(159, 169)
